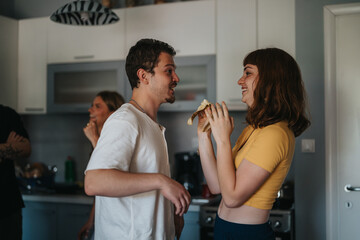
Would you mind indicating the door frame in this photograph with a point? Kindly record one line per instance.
(330, 14)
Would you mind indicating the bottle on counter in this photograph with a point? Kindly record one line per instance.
(69, 170)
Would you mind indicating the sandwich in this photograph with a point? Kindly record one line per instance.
(204, 104)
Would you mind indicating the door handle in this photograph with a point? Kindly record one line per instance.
(349, 188)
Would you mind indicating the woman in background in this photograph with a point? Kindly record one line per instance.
(103, 105)
(250, 174)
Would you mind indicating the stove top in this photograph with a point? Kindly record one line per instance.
(281, 220)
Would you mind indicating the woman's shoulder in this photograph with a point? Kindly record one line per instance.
(280, 129)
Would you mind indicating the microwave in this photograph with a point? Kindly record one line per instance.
(71, 87)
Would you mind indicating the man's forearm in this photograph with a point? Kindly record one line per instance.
(116, 183)
(15, 150)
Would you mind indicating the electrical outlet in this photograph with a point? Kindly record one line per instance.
(308, 145)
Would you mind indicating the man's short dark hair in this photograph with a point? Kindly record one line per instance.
(145, 54)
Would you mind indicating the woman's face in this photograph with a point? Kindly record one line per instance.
(248, 83)
(99, 111)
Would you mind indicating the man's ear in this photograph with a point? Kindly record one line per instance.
(143, 76)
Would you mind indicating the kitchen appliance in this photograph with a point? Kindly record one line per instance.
(188, 172)
(285, 199)
(71, 87)
(281, 221)
(36, 177)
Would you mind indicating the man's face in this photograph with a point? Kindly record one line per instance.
(164, 79)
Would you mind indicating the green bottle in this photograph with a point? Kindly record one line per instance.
(69, 170)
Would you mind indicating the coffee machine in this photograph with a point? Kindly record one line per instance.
(188, 171)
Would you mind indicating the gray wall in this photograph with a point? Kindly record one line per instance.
(310, 168)
(7, 8)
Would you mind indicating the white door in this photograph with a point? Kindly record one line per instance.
(342, 104)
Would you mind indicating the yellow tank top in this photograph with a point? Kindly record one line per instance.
(271, 148)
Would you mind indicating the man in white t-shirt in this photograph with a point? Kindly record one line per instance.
(129, 170)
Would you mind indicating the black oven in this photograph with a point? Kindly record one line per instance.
(281, 220)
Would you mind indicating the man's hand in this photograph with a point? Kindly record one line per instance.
(177, 194)
(15, 146)
(13, 138)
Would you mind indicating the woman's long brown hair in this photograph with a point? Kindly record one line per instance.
(279, 94)
(112, 99)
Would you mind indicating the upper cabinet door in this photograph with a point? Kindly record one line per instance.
(236, 37)
(32, 65)
(67, 43)
(243, 26)
(187, 26)
(8, 60)
(276, 24)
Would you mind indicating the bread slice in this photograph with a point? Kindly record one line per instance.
(204, 104)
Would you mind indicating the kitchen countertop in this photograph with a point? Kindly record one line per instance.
(59, 198)
(82, 198)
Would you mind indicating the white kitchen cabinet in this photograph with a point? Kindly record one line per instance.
(236, 36)
(32, 65)
(68, 43)
(187, 26)
(276, 24)
(8, 60)
(243, 26)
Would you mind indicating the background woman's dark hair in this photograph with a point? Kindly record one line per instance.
(144, 54)
(112, 99)
(279, 94)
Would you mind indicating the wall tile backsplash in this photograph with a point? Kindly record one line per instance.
(55, 136)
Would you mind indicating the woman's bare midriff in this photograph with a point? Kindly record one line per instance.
(243, 214)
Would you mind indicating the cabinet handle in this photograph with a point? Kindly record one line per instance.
(30, 109)
(84, 57)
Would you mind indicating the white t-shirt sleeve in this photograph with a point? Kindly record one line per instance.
(115, 147)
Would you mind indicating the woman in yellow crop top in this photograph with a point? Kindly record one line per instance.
(249, 175)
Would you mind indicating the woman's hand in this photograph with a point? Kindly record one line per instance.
(202, 121)
(221, 123)
(92, 133)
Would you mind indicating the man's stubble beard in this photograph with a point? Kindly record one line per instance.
(170, 100)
